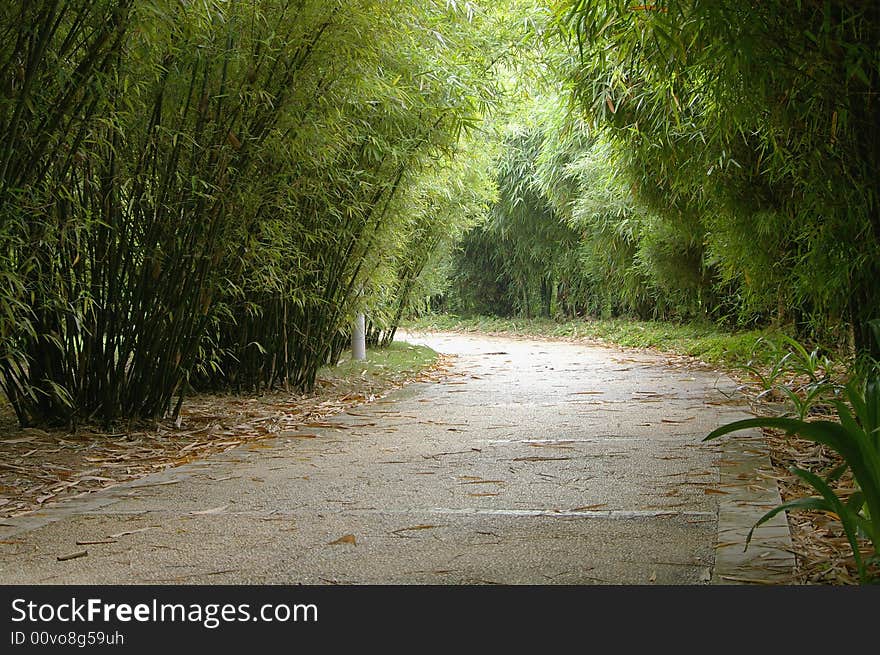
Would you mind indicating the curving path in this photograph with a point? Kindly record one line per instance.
(536, 462)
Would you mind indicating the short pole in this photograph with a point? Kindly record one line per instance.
(359, 338)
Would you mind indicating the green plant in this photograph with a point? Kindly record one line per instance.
(809, 397)
(767, 377)
(856, 438)
(783, 357)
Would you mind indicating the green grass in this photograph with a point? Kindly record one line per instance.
(706, 342)
(391, 364)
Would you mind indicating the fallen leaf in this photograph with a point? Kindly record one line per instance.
(127, 532)
(734, 578)
(156, 484)
(213, 510)
(35, 432)
(345, 539)
(415, 527)
(538, 459)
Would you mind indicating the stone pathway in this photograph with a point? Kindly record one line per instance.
(537, 462)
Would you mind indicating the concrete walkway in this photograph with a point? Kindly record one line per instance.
(537, 462)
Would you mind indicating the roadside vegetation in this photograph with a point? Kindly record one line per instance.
(39, 467)
(200, 196)
(706, 342)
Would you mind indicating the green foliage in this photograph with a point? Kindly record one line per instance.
(130, 231)
(705, 341)
(567, 237)
(758, 122)
(509, 262)
(806, 379)
(856, 438)
(398, 360)
(203, 194)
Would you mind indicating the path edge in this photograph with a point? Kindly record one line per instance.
(769, 558)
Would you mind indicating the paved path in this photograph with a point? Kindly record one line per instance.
(537, 462)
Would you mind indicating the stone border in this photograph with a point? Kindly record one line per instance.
(769, 558)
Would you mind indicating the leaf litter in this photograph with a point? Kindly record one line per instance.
(820, 546)
(38, 467)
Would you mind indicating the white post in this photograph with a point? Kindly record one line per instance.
(359, 338)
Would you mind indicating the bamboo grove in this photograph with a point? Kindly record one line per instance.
(199, 195)
(709, 160)
(753, 128)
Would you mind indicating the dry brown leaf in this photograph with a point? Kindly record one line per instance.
(125, 533)
(734, 578)
(539, 459)
(415, 527)
(213, 510)
(76, 555)
(345, 539)
(195, 445)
